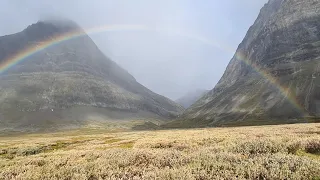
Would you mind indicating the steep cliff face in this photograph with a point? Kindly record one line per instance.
(274, 75)
(69, 83)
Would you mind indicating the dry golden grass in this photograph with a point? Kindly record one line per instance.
(268, 152)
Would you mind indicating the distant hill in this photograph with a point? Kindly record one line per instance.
(68, 83)
(274, 76)
(191, 97)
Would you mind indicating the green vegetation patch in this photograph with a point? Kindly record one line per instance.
(127, 145)
(147, 126)
(12, 152)
(306, 154)
(110, 141)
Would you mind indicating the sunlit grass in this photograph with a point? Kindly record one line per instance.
(266, 152)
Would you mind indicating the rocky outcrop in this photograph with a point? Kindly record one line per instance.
(69, 83)
(274, 76)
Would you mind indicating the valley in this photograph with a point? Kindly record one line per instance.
(68, 110)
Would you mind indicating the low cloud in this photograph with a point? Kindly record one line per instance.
(168, 63)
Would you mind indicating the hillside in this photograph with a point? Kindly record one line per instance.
(274, 76)
(58, 78)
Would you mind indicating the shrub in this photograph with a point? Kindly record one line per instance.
(313, 147)
(294, 147)
(259, 147)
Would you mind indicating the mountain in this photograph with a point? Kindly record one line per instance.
(273, 77)
(191, 97)
(60, 79)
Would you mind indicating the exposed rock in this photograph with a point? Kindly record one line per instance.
(69, 83)
(283, 46)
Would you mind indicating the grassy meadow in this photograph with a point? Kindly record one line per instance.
(265, 152)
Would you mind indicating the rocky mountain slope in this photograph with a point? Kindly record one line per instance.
(69, 84)
(191, 97)
(274, 76)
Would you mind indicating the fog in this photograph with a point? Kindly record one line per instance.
(188, 46)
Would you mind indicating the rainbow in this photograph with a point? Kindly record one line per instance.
(23, 54)
(29, 51)
(285, 91)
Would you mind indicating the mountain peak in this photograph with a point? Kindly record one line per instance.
(70, 83)
(50, 27)
(60, 22)
(277, 78)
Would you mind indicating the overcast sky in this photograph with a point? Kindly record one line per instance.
(178, 57)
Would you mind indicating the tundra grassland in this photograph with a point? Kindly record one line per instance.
(265, 152)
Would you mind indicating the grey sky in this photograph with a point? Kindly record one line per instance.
(170, 64)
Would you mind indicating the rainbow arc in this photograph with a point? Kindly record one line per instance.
(29, 51)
